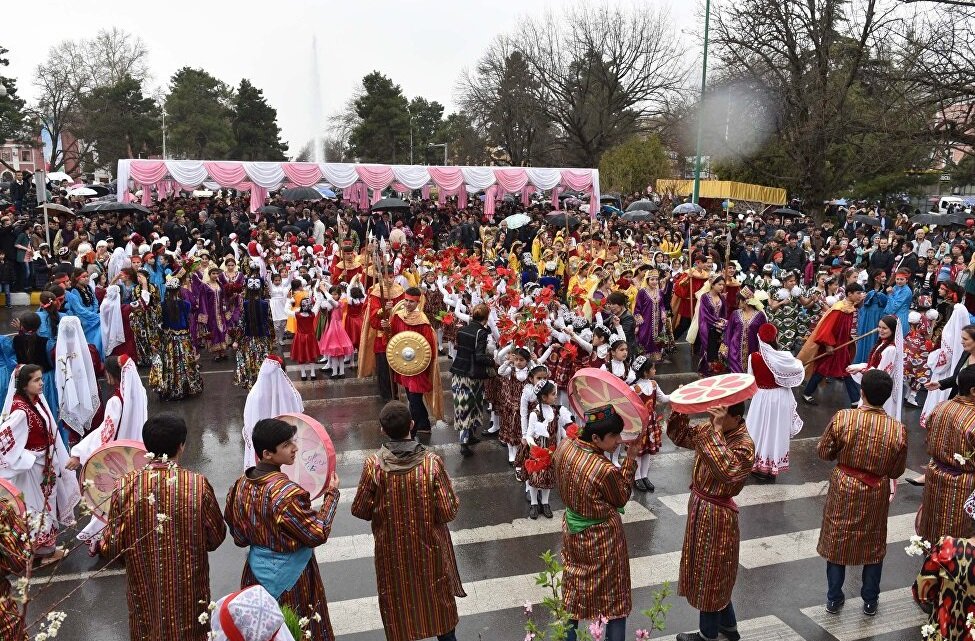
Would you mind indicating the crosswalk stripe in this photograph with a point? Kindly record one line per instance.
(460, 483)
(896, 610)
(361, 546)
(768, 628)
(353, 616)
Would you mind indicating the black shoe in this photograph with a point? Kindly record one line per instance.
(547, 510)
(870, 609)
(915, 482)
(465, 450)
(833, 607)
(640, 484)
(809, 400)
(304, 377)
(731, 634)
(690, 636)
(533, 511)
(650, 487)
(472, 439)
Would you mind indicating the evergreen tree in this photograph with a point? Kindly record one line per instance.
(199, 121)
(14, 123)
(121, 122)
(255, 128)
(382, 131)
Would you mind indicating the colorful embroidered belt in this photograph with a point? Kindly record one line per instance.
(869, 478)
(721, 501)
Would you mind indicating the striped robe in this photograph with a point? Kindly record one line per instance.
(709, 556)
(274, 512)
(854, 528)
(14, 558)
(596, 579)
(168, 572)
(409, 502)
(951, 430)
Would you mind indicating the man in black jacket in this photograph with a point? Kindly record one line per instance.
(618, 305)
(469, 370)
(882, 257)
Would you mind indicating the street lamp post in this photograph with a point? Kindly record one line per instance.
(700, 107)
(441, 144)
(410, 114)
(164, 132)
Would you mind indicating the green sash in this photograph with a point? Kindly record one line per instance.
(577, 523)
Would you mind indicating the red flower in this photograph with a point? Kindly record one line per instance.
(572, 430)
(539, 458)
(448, 319)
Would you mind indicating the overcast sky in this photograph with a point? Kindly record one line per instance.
(423, 45)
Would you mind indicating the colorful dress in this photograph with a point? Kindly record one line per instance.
(83, 303)
(509, 406)
(212, 317)
(334, 341)
(304, 348)
(741, 339)
(255, 337)
(709, 335)
(545, 423)
(145, 319)
(232, 287)
(271, 511)
(772, 418)
(944, 587)
(650, 438)
(408, 499)
(948, 483)
(654, 334)
(166, 563)
(787, 320)
(917, 348)
(175, 372)
(14, 559)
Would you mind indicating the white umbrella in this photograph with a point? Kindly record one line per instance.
(202, 193)
(82, 191)
(59, 176)
(517, 220)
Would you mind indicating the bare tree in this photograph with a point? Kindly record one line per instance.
(600, 73)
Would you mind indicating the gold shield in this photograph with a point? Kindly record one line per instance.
(408, 353)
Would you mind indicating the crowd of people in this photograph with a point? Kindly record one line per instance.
(519, 302)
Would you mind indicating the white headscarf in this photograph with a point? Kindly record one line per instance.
(897, 394)
(943, 360)
(135, 403)
(254, 615)
(119, 261)
(273, 394)
(113, 329)
(74, 376)
(787, 370)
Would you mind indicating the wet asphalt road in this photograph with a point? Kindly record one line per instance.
(496, 544)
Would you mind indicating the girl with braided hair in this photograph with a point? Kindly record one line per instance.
(175, 370)
(255, 333)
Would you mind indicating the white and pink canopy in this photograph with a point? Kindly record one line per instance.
(355, 179)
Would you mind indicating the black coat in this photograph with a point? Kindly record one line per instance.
(472, 359)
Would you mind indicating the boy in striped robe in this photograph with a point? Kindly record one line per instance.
(14, 558)
(596, 578)
(273, 515)
(870, 449)
(724, 456)
(408, 498)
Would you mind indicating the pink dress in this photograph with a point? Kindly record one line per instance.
(335, 340)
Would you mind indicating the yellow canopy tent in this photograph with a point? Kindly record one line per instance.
(725, 189)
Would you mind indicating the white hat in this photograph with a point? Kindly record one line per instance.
(101, 243)
(254, 615)
(914, 317)
(932, 315)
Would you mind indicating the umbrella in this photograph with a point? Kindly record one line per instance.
(569, 194)
(688, 208)
(609, 209)
(866, 220)
(957, 218)
(839, 203)
(391, 204)
(290, 229)
(101, 190)
(55, 207)
(643, 205)
(561, 219)
(300, 193)
(609, 198)
(202, 193)
(59, 176)
(638, 216)
(509, 199)
(785, 211)
(929, 219)
(270, 209)
(82, 191)
(113, 206)
(325, 191)
(517, 220)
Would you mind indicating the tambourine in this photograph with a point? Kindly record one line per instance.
(591, 388)
(109, 463)
(315, 461)
(705, 393)
(13, 496)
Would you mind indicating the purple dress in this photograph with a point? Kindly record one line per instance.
(650, 306)
(742, 340)
(233, 303)
(211, 302)
(708, 335)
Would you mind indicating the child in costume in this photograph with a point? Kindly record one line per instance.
(644, 370)
(546, 427)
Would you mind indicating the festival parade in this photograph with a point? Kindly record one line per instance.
(621, 321)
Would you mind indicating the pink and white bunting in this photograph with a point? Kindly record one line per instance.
(356, 179)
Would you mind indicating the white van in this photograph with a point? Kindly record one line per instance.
(944, 202)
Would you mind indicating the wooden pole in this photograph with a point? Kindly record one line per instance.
(858, 338)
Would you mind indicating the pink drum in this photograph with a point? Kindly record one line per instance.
(705, 393)
(316, 454)
(109, 463)
(13, 496)
(591, 388)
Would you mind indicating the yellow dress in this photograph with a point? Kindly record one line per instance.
(299, 296)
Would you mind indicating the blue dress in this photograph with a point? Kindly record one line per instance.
(899, 304)
(8, 360)
(869, 315)
(91, 320)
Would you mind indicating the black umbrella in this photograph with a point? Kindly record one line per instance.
(561, 219)
(290, 229)
(113, 206)
(866, 220)
(300, 193)
(957, 218)
(270, 209)
(929, 219)
(101, 189)
(609, 198)
(638, 216)
(785, 211)
(643, 205)
(391, 204)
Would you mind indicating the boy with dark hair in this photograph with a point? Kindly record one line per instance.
(596, 579)
(408, 498)
(273, 515)
(424, 390)
(168, 570)
(723, 458)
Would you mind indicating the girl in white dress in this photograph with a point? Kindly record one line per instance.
(887, 355)
(280, 290)
(546, 428)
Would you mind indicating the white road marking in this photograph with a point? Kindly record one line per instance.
(896, 610)
(765, 628)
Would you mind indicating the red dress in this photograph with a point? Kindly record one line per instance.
(304, 349)
(128, 347)
(649, 442)
(354, 315)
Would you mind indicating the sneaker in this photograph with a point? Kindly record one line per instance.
(833, 607)
(870, 609)
(809, 400)
(533, 511)
(547, 510)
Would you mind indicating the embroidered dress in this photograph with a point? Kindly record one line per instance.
(787, 320)
(145, 319)
(654, 334)
(741, 339)
(232, 287)
(917, 348)
(545, 423)
(652, 434)
(709, 336)
(944, 588)
(213, 318)
(772, 417)
(509, 407)
(175, 372)
(256, 338)
(433, 304)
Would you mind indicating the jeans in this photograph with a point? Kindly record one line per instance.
(836, 574)
(711, 623)
(418, 410)
(5, 289)
(615, 630)
(450, 636)
(852, 389)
